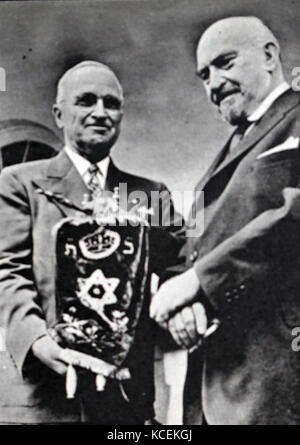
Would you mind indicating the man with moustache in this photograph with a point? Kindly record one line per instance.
(244, 267)
(89, 110)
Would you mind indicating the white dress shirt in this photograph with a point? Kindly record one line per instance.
(266, 103)
(82, 165)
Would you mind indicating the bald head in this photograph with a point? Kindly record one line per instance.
(238, 59)
(247, 30)
(87, 66)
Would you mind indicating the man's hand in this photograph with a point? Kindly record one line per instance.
(48, 352)
(173, 294)
(188, 325)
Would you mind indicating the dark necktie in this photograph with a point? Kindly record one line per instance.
(93, 182)
(239, 134)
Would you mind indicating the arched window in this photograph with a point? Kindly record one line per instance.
(22, 140)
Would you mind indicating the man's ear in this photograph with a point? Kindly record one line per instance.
(272, 56)
(57, 113)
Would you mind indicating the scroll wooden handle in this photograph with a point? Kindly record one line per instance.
(71, 382)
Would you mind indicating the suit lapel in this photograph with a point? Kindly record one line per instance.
(216, 162)
(278, 110)
(114, 177)
(63, 179)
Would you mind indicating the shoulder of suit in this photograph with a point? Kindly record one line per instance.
(292, 111)
(291, 95)
(27, 169)
(141, 182)
(297, 95)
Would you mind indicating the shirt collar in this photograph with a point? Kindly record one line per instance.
(82, 164)
(267, 102)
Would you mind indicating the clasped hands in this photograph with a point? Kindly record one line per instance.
(174, 307)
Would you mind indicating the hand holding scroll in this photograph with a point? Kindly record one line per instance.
(48, 352)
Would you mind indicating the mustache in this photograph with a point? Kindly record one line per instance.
(218, 95)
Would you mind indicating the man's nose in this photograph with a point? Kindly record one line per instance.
(99, 109)
(216, 81)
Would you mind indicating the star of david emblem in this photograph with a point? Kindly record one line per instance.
(96, 292)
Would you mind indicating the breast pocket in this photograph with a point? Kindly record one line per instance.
(270, 175)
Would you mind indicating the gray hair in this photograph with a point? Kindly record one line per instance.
(60, 92)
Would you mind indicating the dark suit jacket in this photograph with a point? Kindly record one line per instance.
(27, 289)
(248, 263)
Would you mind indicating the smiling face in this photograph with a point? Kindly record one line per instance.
(235, 71)
(90, 111)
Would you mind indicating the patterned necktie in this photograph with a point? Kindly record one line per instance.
(93, 182)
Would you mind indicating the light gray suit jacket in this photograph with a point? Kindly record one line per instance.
(27, 286)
